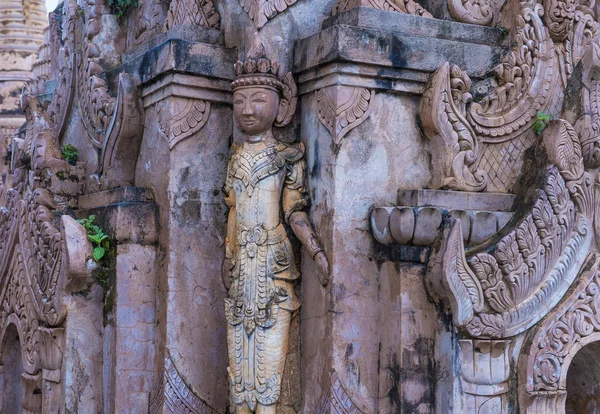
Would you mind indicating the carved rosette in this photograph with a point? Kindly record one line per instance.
(508, 284)
(261, 11)
(548, 40)
(196, 12)
(343, 108)
(400, 6)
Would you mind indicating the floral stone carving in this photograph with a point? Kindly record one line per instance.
(189, 116)
(197, 12)
(172, 394)
(401, 6)
(480, 145)
(261, 11)
(506, 285)
(265, 182)
(343, 108)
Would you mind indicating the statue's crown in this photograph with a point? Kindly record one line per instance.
(257, 72)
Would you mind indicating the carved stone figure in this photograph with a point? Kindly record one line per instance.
(265, 191)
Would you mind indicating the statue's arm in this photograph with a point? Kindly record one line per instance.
(231, 237)
(305, 232)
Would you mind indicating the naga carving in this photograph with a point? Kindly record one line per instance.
(480, 145)
(265, 182)
(506, 285)
(400, 6)
(481, 12)
(343, 108)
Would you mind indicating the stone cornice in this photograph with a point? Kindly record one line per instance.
(352, 50)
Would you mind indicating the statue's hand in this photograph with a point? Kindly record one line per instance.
(225, 273)
(322, 268)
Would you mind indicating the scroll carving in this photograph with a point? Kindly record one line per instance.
(95, 103)
(343, 108)
(400, 6)
(196, 12)
(523, 272)
(454, 144)
(552, 347)
(35, 248)
(186, 121)
(123, 138)
(495, 132)
(338, 400)
(588, 125)
(483, 12)
(261, 11)
(171, 394)
(64, 59)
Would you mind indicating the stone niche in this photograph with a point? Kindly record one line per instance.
(445, 154)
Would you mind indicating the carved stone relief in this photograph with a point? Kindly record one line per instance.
(484, 13)
(182, 119)
(401, 6)
(343, 108)
(259, 268)
(338, 400)
(197, 12)
(171, 394)
(479, 145)
(508, 284)
(485, 372)
(261, 11)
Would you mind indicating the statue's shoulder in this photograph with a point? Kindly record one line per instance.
(291, 152)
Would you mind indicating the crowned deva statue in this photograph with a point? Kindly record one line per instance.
(265, 191)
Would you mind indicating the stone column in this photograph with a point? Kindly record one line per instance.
(188, 132)
(368, 341)
(129, 216)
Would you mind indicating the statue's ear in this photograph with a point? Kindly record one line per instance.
(288, 102)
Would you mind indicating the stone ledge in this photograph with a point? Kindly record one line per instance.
(400, 58)
(461, 200)
(179, 56)
(115, 196)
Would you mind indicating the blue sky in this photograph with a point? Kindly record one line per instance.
(51, 5)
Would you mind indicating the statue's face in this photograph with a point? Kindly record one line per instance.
(255, 109)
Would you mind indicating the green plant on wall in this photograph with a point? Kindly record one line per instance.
(541, 122)
(121, 7)
(70, 154)
(95, 234)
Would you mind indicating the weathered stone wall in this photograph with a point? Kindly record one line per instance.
(457, 221)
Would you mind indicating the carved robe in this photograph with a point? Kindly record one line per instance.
(265, 185)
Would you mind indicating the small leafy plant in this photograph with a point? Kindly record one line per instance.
(95, 234)
(541, 122)
(120, 7)
(70, 154)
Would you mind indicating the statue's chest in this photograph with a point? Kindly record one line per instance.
(264, 171)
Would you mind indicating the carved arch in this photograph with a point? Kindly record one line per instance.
(549, 350)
